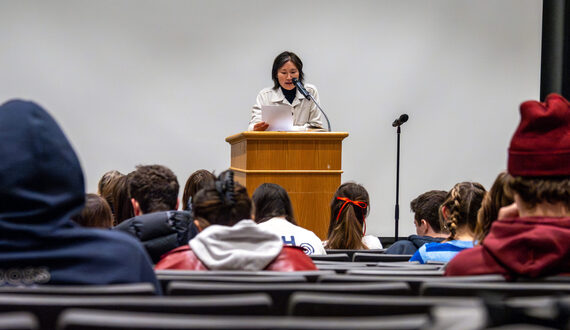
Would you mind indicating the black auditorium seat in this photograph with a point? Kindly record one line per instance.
(366, 256)
(280, 293)
(507, 289)
(331, 257)
(330, 304)
(47, 308)
(18, 321)
(106, 320)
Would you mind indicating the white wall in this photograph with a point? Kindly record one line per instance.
(141, 82)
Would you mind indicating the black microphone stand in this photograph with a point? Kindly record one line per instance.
(318, 106)
(397, 209)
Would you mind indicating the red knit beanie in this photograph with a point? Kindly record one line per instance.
(541, 143)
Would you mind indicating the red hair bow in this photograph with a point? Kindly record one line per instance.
(362, 205)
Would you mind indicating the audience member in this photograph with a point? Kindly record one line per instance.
(106, 187)
(273, 212)
(534, 239)
(228, 239)
(347, 228)
(426, 219)
(498, 196)
(458, 214)
(197, 180)
(41, 187)
(157, 224)
(122, 206)
(96, 213)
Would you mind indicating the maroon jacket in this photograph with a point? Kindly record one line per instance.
(528, 247)
(291, 258)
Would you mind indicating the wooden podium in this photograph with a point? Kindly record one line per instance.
(306, 164)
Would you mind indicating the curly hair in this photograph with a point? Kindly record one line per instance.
(462, 204)
(224, 203)
(498, 196)
(154, 187)
(347, 231)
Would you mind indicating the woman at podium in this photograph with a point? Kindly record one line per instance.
(306, 115)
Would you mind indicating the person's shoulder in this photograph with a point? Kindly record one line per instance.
(109, 239)
(310, 87)
(267, 91)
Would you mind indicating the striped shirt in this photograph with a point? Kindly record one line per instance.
(440, 251)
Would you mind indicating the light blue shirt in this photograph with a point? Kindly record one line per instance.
(440, 251)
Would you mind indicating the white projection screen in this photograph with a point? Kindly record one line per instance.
(165, 82)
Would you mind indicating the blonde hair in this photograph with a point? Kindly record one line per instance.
(462, 202)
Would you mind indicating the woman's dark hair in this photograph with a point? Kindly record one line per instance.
(498, 196)
(96, 213)
(197, 180)
(462, 202)
(224, 203)
(122, 207)
(347, 231)
(271, 200)
(280, 60)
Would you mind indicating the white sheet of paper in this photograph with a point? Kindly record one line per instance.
(278, 117)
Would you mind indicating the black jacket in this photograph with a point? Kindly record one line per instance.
(410, 245)
(160, 232)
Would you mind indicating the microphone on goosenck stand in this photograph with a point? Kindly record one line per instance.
(310, 97)
(397, 123)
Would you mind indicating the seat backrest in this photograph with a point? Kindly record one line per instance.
(413, 281)
(130, 289)
(331, 257)
(507, 289)
(350, 252)
(281, 292)
(47, 308)
(18, 321)
(334, 304)
(360, 256)
(77, 319)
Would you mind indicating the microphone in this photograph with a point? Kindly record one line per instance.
(306, 94)
(398, 122)
(301, 88)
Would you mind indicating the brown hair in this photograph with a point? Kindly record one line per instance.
(347, 232)
(197, 180)
(426, 206)
(96, 213)
(535, 190)
(224, 203)
(154, 187)
(498, 196)
(271, 200)
(122, 207)
(462, 202)
(107, 186)
(106, 180)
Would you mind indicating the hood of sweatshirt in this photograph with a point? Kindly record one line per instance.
(41, 181)
(530, 246)
(243, 246)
